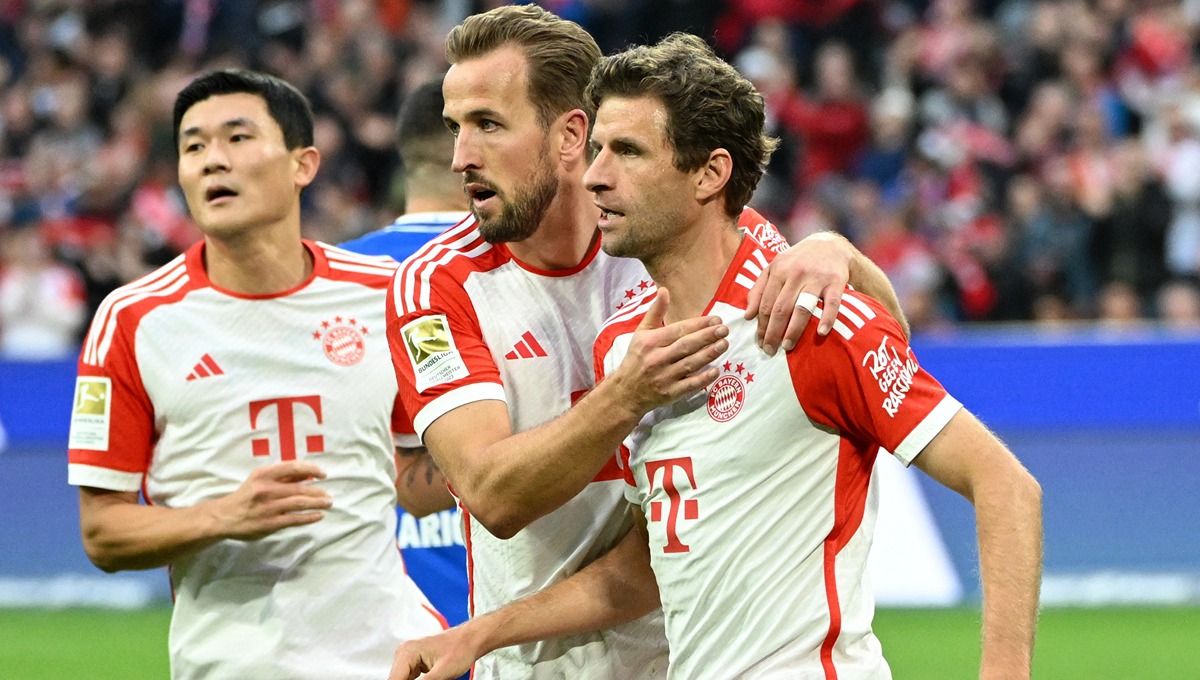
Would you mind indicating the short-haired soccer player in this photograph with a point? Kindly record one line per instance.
(491, 326)
(238, 389)
(789, 439)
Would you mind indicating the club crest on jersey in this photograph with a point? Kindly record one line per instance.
(342, 340)
(431, 350)
(727, 395)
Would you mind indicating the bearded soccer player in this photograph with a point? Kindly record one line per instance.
(490, 327)
(793, 437)
(238, 388)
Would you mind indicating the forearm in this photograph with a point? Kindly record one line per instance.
(1009, 520)
(420, 486)
(120, 535)
(531, 473)
(616, 588)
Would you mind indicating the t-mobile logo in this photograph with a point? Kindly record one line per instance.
(691, 507)
(285, 409)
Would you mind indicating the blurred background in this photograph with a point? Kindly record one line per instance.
(1027, 172)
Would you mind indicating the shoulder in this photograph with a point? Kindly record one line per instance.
(624, 322)
(442, 266)
(373, 271)
(124, 308)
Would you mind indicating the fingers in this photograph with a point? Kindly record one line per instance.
(289, 471)
(657, 314)
(755, 296)
(770, 293)
(832, 295)
(782, 310)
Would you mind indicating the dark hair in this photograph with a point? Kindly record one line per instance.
(560, 54)
(421, 134)
(709, 106)
(287, 105)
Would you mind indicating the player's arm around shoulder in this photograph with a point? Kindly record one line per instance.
(969, 459)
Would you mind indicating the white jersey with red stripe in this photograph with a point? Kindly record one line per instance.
(186, 388)
(757, 492)
(469, 322)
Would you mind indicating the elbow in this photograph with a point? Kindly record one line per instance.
(500, 521)
(97, 554)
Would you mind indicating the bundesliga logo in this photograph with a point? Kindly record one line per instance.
(727, 395)
(342, 340)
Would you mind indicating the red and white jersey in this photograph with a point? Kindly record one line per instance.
(184, 389)
(469, 322)
(757, 492)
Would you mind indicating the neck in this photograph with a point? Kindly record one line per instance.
(429, 197)
(694, 264)
(258, 261)
(566, 232)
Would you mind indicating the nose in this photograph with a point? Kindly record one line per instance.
(215, 158)
(598, 178)
(466, 156)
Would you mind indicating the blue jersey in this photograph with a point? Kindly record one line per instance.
(432, 546)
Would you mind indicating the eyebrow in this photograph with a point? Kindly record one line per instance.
(231, 123)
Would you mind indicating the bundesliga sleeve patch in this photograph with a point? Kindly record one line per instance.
(90, 414)
(431, 349)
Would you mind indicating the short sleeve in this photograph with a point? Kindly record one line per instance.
(864, 380)
(112, 421)
(439, 355)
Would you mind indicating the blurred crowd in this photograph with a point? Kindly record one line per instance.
(1001, 160)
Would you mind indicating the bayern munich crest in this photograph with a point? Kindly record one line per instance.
(342, 340)
(727, 395)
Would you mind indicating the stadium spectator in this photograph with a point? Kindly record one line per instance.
(489, 329)
(229, 387)
(41, 301)
(1178, 303)
(812, 420)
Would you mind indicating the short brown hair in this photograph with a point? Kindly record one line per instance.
(709, 106)
(560, 53)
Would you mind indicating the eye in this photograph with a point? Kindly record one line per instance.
(239, 137)
(452, 127)
(487, 125)
(193, 147)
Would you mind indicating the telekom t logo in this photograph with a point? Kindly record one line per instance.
(285, 409)
(691, 507)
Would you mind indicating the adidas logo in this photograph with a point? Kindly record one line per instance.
(527, 348)
(206, 368)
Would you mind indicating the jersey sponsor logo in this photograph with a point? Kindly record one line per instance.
(90, 414)
(342, 340)
(286, 409)
(768, 236)
(893, 374)
(727, 394)
(431, 350)
(526, 348)
(675, 501)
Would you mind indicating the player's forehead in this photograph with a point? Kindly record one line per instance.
(222, 111)
(641, 117)
(496, 80)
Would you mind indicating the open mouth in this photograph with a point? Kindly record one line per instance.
(216, 193)
(607, 214)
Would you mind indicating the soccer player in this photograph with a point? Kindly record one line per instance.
(754, 498)
(434, 201)
(490, 327)
(238, 389)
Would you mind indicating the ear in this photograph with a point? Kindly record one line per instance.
(713, 175)
(573, 136)
(307, 160)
